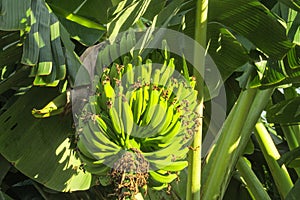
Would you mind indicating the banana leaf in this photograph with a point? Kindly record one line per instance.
(76, 18)
(253, 21)
(40, 148)
(275, 73)
(45, 43)
(287, 111)
(294, 4)
(14, 14)
(291, 158)
(127, 17)
(295, 192)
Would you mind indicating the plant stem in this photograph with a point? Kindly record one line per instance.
(280, 174)
(253, 185)
(232, 141)
(219, 160)
(194, 169)
(291, 132)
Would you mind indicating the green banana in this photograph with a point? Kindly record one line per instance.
(114, 51)
(105, 124)
(138, 104)
(176, 166)
(147, 71)
(116, 121)
(118, 105)
(163, 178)
(113, 73)
(176, 147)
(167, 119)
(155, 185)
(82, 148)
(175, 118)
(167, 139)
(154, 96)
(129, 75)
(159, 114)
(138, 108)
(98, 170)
(127, 118)
(96, 140)
(166, 75)
(101, 135)
(108, 91)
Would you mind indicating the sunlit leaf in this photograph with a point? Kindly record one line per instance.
(127, 17)
(226, 51)
(39, 148)
(275, 73)
(254, 21)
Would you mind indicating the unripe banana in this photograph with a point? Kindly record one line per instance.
(176, 166)
(163, 178)
(167, 73)
(127, 118)
(140, 111)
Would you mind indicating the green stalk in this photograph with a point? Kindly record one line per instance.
(194, 169)
(291, 132)
(280, 174)
(219, 160)
(253, 185)
(291, 138)
(232, 141)
(261, 99)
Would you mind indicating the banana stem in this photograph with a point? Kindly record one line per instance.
(194, 169)
(291, 132)
(219, 161)
(291, 137)
(280, 174)
(253, 185)
(233, 138)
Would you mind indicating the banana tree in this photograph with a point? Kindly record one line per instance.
(37, 51)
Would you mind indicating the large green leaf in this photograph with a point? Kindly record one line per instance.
(295, 192)
(291, 158)
(255, 22)
(294, 4)
(91, 10)
(86, 36)
(287, 111)
(10, 51)
(83, 19)
(274, 73)
(127, 17)
(44, 47)
(226, 51)
(233, 27)
(39, 148)
(14, 14)
(4, 168)
(292, 19)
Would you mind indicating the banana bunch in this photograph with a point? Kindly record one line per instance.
(139, 124)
